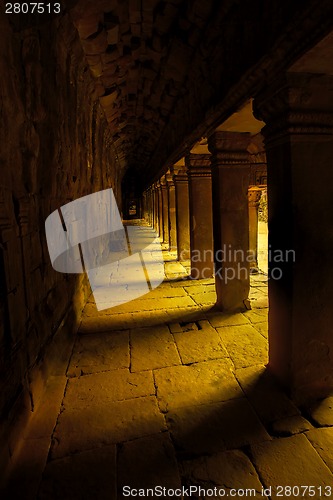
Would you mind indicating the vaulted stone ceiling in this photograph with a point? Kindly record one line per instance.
(164, 69)
(140, 53)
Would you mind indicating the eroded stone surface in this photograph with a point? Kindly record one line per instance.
(290, 425)
(152, 348)
(81, 429)
(89, 474)
(256, 315)
(199, 344)
(322, 440)
(268, 399)
(262, 328)
(322, 412)
(100, 388)
(147, 462)
(230, 469)
(290, 461)
(215, 427)
(245, 345)
(206, 298)
(99, 352)
(196, 384)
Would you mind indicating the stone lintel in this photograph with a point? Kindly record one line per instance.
(258, 174)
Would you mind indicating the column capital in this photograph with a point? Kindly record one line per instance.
(254, 195)
(180, 175)
(169, 180)
(298, 104)
(230, 148)
(198, 165)
(163, 182)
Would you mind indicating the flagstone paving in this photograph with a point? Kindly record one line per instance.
(166, 391)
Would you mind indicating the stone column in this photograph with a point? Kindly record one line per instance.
(182, 214)
(172, 213)
(298, 112)
(150, 205)
(155, 206)
(254, 195)
(165, 208)
(144, 204)
(201, 219)
(230, 178)
(160, 210)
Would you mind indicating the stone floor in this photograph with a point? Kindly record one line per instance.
(165, 391)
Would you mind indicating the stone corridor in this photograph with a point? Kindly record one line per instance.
(208, 126)
(165, 391)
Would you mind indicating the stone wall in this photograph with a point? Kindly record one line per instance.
(55, 147)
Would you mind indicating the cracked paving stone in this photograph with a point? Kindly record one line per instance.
(100, 388)
(81, 429)
(245, 345)
(215, 427)
(322, 412)
(89, 474)
(290, 425)
(152, 348)
(256, 315)
(322, 440)
(196, 384)
(217, 319)
(200, 345)
(148, 462)
(202, 299)
(100, 352)
(175, 328)
(267, 398)
(290, 461)
(259, 302)
(200, 289)
(229, 469)
(262, 328)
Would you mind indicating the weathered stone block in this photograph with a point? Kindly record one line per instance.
(196, 384)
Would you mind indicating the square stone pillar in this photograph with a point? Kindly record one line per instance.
(155, 207)
(201, 218)
(254, 195)
(144, 204)
(160, 227)
(298, 112)
(172, 213)
(150, 206)
(230, 176)
(182, 214)
(165, 209)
